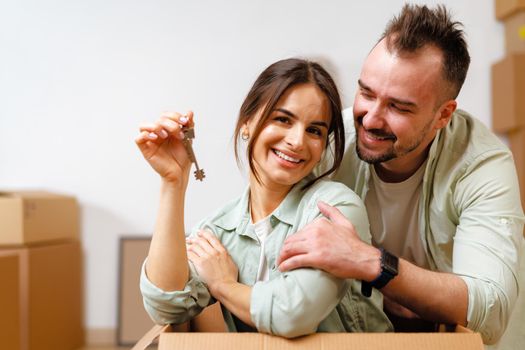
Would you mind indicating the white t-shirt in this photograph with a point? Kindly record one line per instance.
(393, 212)
(262, 229)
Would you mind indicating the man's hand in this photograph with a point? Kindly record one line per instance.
(331, 244)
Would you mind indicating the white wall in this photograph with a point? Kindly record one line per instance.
(78, 77)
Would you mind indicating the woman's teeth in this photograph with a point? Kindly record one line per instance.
(285, 157)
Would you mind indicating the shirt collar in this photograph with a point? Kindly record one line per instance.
(238, 218)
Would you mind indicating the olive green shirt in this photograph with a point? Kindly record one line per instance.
(289, 304)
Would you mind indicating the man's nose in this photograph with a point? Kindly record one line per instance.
(374, 117)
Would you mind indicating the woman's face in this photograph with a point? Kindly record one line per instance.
(293, 138)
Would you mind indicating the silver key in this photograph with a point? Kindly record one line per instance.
(189, 135)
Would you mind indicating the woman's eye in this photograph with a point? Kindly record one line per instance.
(282, 119)
(315, 131)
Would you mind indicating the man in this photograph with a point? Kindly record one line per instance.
(441, 190)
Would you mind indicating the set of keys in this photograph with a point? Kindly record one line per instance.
(189, 135)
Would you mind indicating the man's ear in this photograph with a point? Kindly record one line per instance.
(444, 113)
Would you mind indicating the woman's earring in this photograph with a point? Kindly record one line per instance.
(245, 136)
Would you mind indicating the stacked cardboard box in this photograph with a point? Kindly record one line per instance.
(9, 301)
(508, 84)
(41, 265)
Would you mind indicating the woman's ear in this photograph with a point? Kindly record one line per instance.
(245, 132)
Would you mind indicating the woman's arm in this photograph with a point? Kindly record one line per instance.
(215, 267)
(291, 305)
(167, 264)
(161, 146)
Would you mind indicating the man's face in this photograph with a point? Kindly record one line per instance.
(396, 105)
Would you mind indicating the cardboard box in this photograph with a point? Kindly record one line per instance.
(517, 146)
(28, 217)
(508, 91)
(51, 296)
(9, 302)
(460, 339)
(505, 8)
(353, 341)
(515, 33)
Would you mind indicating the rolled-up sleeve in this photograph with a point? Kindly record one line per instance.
(296, 302)
(487, 244)
(174, 307)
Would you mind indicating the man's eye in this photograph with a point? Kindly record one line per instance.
(400, 109)
(366, 94)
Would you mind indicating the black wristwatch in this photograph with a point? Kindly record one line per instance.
(389, 263)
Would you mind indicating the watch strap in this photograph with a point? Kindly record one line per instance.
(389, 266)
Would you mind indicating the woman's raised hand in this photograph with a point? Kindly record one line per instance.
(161, 145)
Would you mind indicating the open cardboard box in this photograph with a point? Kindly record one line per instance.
(450, 338)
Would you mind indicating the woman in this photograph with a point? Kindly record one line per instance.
(290, 117)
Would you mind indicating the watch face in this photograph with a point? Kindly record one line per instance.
(390, 263)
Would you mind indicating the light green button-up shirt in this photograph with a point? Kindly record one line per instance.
(289, 304)
(471, 219)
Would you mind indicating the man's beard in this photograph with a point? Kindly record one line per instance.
(391, 152)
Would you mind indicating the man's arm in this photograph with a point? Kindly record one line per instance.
(436, 296)
(337, 249)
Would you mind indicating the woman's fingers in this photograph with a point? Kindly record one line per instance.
(172, 128)
(170, 123)
(194, 258)
(196, 248)
(186, 120)
(204, 244)
(212, 240)
(155, 128)
(144, 137)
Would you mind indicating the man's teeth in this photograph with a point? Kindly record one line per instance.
(285, 157)
(380, 138)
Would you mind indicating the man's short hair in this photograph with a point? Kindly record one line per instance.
(417, 26)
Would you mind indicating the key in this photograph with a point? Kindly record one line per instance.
(189, 135)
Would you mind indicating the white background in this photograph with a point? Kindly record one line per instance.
(78, 77)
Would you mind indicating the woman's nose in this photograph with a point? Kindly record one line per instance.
(295, 137)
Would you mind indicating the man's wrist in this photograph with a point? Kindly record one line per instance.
(373, 269)
(388, 270)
